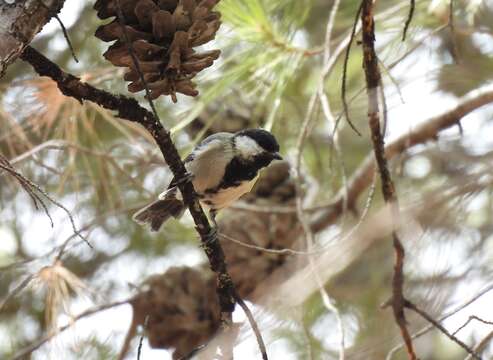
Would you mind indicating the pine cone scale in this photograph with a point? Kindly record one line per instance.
(163, 34)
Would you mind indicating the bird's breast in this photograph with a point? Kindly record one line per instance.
(224, 197)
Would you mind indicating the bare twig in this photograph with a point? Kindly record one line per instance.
(132, 330)
(269, 251)
(141, 339)
(16, 290)
(373, 79)
(428, 328)
(455, 48)
(67, 38)
(254, 326)
(437, 325)
(33, 189)
(344, 69)
(471, 318)
(412, 6)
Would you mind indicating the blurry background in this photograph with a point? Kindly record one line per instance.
(270, 74)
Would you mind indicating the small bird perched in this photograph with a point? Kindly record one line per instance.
(223, 167)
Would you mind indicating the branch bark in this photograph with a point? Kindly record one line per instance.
(129, 109)
(19, 22)
(372, 75)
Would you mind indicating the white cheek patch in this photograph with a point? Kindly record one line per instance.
(247, 147)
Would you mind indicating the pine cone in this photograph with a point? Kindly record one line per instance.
(182, 309)
(163, 34)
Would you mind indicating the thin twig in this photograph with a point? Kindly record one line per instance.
(32, 189)
(451, 24)
(428, 328)
(344, 68)
(269, 251)
(412, 5)
(309, 117)
(471, 318)
(67, 38)
(141, 340)
(253, 325)
(437, 325)
(16, 290)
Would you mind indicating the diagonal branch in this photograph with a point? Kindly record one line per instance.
(129, 109)
(437, 325)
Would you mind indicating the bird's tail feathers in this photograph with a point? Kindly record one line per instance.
(158, 212)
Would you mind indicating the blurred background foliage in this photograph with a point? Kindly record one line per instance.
(103, 169)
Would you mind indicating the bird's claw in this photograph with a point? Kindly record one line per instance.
(186, 178)
(210, 237)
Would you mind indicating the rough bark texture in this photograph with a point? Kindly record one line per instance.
(19, 22)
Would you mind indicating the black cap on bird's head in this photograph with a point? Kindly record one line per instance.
(264, 139)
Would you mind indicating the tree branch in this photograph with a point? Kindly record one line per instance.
(437, 325)
(19, 22)
(129, 109)
(373, 79)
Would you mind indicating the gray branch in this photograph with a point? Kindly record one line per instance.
(20, 21)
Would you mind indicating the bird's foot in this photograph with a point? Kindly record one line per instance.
(211, 237)
(186, 178)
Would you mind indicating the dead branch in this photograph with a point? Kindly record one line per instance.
(471, 318)
(430, 327)
(37, 194)
(373, 79)
(437, 325)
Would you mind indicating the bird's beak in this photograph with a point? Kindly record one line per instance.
(276, 156)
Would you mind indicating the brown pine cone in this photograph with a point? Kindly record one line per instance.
(163, 34)
(182, 309)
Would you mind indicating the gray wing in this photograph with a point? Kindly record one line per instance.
(207, 163)
(219, 137)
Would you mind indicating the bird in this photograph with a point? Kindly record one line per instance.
(222, 168)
